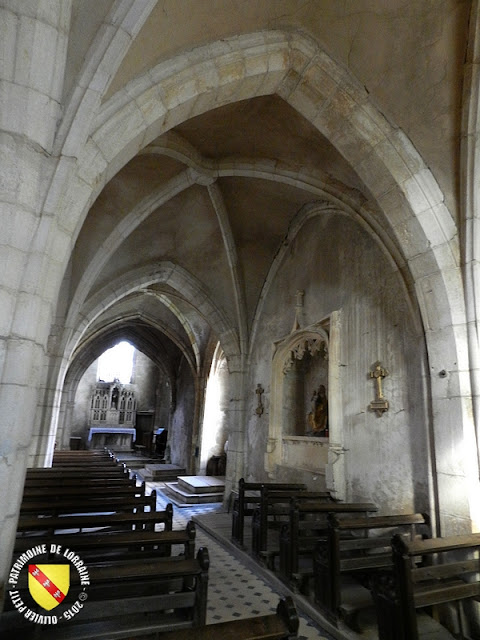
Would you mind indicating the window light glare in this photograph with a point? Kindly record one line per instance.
(116, 363)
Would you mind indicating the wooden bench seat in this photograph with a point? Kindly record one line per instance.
(81, 457)
(51, 524)
(78, 460)
(81, 452)
(91, 545)
(88, 543)
(357, 547)
(128, 599)
(98, 490)
(114, 471)
(249, 496)
(85, 481)
(282, 625)
(87, 465)
(426, 573)
(91, 504)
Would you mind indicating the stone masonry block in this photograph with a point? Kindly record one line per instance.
(8, 43)
(35, 69)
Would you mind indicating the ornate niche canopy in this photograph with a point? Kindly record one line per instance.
(311, 345)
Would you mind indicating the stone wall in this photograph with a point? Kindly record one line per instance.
(342, 269)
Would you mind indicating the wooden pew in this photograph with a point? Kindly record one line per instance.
(85, 481)
(357, 547)
(108, 545)
(248, 500)
(115, 521)
(90, 504)
(85, 464)
(81, 452)
(81, 457)
(128, 599)
(115, 471)
(282, 625)
(425, 573)
(308, 523)
(274, 510)
(95, 491)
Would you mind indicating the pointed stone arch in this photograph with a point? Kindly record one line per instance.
(292, 66)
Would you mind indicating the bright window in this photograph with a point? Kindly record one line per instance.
(116, 362)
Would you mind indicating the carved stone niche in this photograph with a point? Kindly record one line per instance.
(299, 368)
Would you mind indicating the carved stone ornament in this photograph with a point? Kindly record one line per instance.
(312, 346)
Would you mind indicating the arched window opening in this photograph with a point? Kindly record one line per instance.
(116, 363)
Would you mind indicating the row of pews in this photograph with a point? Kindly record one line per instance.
(346, 558)
(144, 577)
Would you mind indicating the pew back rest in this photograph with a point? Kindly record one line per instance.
(311, 515)
(147, 519)
(89, 504)
(93, 492)
(129, 599)
(130, 541)
(249, 496)
(426, 573)
(452, 562)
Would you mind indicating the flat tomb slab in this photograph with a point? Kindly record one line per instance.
(159, 471)
(202, 484)
(182, 498)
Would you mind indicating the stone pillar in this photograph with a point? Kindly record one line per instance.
(194, 465)
(470, 201)
(335, 470)
(235, 420)
(33, 45)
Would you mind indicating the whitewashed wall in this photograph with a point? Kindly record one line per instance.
(341, 268)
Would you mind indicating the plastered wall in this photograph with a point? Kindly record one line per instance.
(342, 269)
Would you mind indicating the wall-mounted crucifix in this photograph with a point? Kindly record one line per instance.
(379, 405)
(259, 390)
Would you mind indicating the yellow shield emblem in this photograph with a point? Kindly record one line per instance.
(48, 584)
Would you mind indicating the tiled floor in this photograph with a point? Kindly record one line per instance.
(235, 591)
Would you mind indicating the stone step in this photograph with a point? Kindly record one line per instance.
(201, 484)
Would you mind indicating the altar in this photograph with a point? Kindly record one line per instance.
(120, 438)
(112, 416)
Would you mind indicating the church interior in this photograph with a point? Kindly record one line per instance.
(272, 206)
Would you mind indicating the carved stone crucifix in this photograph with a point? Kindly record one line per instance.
(379, 405)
